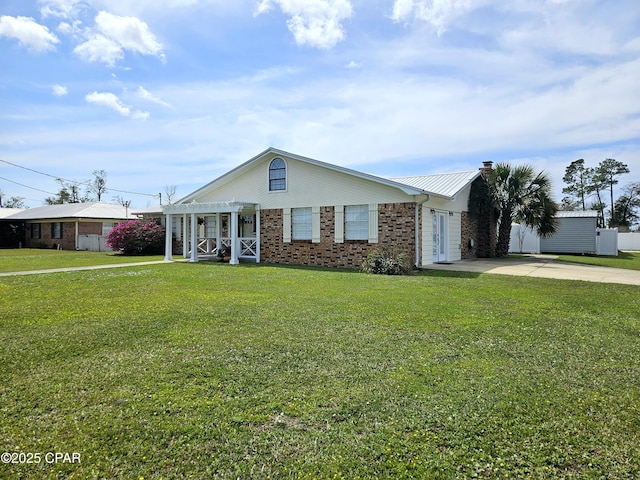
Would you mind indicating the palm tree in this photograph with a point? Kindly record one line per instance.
(521, 196)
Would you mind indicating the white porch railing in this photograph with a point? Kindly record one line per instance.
(248, 246)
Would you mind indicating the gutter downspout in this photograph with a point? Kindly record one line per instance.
(417, 225)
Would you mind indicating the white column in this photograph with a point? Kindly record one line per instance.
(339, 223)
(185, 236)
(194, 238)
(168, 239)
(218, 233)
(258, 235)
(233, 227)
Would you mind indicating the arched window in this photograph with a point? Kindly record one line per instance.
(277, 175)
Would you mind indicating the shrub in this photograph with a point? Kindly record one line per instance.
(387, 262)
(135, 237)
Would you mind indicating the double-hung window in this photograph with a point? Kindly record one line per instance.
(301, 223)
(56, 230)
(356, 222)
(35, 230)
(107, 227)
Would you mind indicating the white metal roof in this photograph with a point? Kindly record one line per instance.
(99, 210)
(446, 185)
(577, 214)
(7, 212)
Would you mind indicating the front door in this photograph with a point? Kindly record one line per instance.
(439, 237)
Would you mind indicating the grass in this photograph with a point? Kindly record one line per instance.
(628, 260)
(21, 260)
(215, 371)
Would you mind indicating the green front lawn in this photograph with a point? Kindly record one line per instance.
(629, 260)
(215, 371)
(24, 259)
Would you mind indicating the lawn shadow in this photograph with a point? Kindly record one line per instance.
(625, 255)
(425, 272)
(246, 264)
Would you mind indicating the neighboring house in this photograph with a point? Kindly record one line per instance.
(283, 208)
(70, 226)
(577, 234)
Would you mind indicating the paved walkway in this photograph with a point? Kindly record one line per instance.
(75, 269)
(543, 266)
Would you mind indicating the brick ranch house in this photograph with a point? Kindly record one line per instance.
(283, 208)
(69, 226)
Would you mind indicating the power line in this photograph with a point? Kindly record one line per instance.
(32, 170)
(66, 180)
(26, 186)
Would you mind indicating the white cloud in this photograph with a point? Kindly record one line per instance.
(28, 32)
(111, 100)
(60, 91)
(73, 29)
(148, 96)
(100, 49)
(58, 8)
(114, 35)
(439, 13)
(313, 22)
(129, 32)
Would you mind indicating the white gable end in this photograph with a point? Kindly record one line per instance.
(308, 184)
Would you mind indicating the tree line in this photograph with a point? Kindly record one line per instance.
(587, 188)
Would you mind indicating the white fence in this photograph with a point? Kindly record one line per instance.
(607, 241)
(93, 243)
(523, 240)
(629, 241)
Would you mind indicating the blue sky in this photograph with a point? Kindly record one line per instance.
(177, 92)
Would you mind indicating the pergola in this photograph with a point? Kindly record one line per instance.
(233, 209)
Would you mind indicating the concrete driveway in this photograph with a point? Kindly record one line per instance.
(543, 266)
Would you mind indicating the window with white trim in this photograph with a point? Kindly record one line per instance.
(56, 230)
(301, 223)
(107, 227)
(356, 222)
(277, 175)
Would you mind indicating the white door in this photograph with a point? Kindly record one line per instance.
(439, 237)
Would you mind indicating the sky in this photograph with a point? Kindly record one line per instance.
(161, 93)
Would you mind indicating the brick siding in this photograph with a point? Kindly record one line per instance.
(396, 228)
(469, 233)
(68, 240)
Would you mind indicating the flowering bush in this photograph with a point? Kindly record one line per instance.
(135, 237)
(387, 262)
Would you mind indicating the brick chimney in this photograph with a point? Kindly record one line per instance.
(486, 224)
(486, 169)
